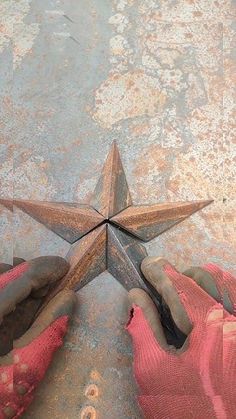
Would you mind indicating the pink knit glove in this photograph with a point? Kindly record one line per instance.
(198, 380)
(31, 350)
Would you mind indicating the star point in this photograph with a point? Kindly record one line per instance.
(148, 221)
(111, 194)
(70, 221)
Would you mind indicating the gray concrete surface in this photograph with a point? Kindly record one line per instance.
(159, 76)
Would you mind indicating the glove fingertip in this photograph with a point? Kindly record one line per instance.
(141, 333)
(32, 361)
(13, 274)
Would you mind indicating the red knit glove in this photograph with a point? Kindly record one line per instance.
(23, 368)
(198, 380)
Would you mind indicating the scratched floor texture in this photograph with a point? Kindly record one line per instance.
(158, 76)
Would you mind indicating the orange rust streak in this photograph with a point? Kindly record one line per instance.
(88, 250)
(140, 216)
(83, 258)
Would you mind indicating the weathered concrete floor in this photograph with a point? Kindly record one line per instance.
(160, 78)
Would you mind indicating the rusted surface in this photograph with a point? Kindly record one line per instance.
(111, 194)
(124, 256)
(69, 220)
(87, 259)
(147, 222)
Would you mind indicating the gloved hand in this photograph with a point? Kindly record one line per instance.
(198, 380)
(31, 351)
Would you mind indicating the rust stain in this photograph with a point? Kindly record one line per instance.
(139, 129)
(15, 30)
(92, 392)
(88, 412)
(128, 95)
(154, 157)
(95, 376)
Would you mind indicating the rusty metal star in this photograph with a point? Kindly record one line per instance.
(107, 234)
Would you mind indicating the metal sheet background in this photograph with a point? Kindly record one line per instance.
(157, 76)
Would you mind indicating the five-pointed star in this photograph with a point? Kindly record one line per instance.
(107, 234)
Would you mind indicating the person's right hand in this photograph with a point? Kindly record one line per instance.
(198, 380)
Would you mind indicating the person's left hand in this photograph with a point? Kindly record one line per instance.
(26, 349)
